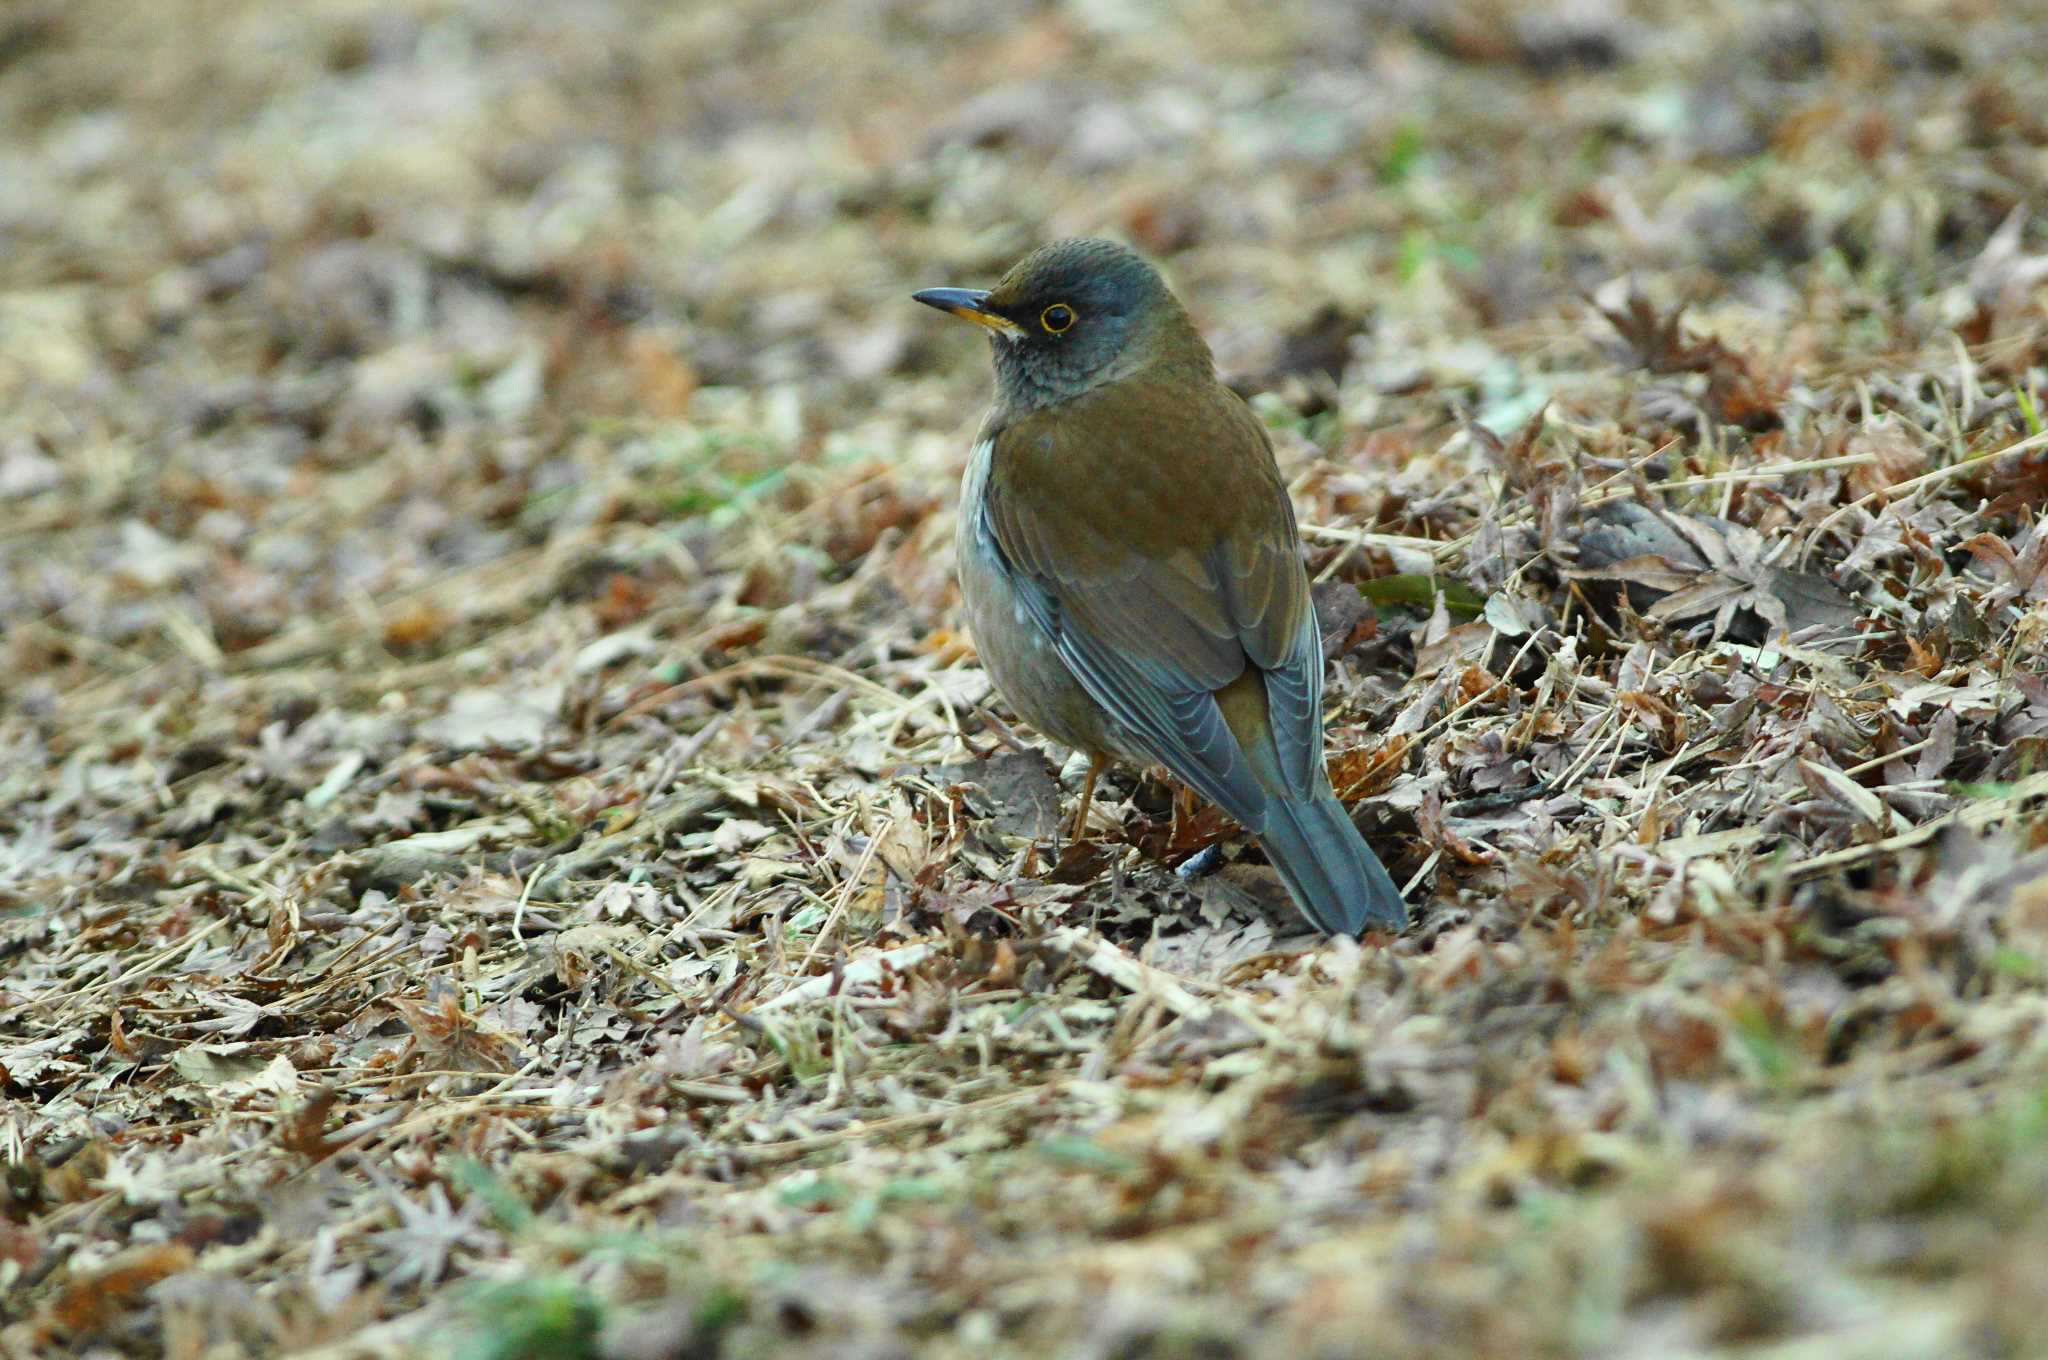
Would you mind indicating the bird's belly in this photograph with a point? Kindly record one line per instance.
(1015, 651)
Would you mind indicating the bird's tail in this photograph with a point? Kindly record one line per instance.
(1337, 881)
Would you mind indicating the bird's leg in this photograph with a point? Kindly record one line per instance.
(1095, 764)
(1183, 810)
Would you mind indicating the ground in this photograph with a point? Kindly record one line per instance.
(505, 850)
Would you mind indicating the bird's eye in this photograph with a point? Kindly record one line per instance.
(1057, 317)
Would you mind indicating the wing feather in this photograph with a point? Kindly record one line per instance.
(1162, 593)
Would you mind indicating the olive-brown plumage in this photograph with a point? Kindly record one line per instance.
(1131, 569)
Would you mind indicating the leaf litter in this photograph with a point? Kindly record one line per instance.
(504, 851)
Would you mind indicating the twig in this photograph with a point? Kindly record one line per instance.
(1906, 488)
(1104, 959)
(846, 892)
(680, 811)
(759, 1154)
(1977, 814)
(869, 968)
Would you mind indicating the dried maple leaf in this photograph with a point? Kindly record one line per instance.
(1653, 715)
(2023, 573)
(1736, 393)
(303, 1128)
(1364, 771)
(1740, 576)
(1683, 566)
(88, 1299)
(428, 1234)
(447, 1038)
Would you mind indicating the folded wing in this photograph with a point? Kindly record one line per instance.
(1178, 600)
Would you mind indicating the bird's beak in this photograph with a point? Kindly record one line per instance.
(969, 305)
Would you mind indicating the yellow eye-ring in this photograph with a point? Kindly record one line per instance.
(1056, 318)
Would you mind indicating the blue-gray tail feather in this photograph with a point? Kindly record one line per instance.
(1337, 881)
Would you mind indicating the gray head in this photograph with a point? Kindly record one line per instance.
(1074, 315)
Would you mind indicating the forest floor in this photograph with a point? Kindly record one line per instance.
(505, 850)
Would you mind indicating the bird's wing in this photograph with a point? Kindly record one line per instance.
(1158, 552)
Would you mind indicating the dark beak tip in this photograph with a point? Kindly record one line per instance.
(950, 299)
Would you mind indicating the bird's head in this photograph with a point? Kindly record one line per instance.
(1072, 316)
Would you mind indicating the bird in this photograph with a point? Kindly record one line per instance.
(1130, 567)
